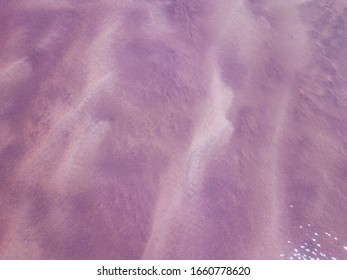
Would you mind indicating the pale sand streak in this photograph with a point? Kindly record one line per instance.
(296, 47)
(101, 74)
(211, 132)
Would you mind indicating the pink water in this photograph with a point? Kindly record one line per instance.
(173, 129)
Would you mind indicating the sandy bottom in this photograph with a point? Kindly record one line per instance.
(173, 130)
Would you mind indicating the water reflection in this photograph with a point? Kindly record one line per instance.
(317, 245)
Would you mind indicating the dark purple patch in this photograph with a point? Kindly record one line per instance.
(39, 206)
(233, 71)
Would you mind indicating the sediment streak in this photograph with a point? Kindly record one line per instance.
(184, 179)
